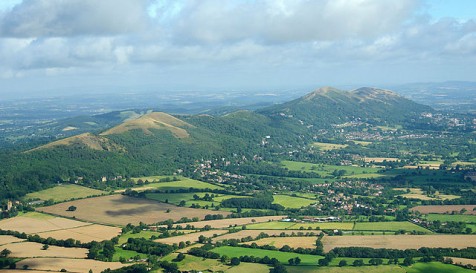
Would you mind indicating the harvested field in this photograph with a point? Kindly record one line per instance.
(224, 223)
(445, 209)
(71, 265)
(304, 242)
(7, 239)
(463, 261)
(30, 250)
(192, 237)
(33, 222)
(85, 233)
(255, 233)
(399, 241)
(121, 210)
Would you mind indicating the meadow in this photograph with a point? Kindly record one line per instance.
(64, 192)
(347, 269)
(292, 202)
(295, 242)
(176, 198)
(435, 267)
(454, 218)
(328, 146)
(192, 237)
(326, 170)
(388, 226)
(283, 257)
(183, 183)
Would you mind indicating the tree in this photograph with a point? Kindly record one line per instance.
(179, 257)
(408, 261)
(323, 262)
(278, 268)
(342, 263)
(71, 208)
(45, 247)
(4, 253)
(358, 262)
(235, 261)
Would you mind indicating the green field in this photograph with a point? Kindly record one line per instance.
(388, 226)
(329, 225)
(127, 254)
(328, 146)
(175, 198)
(326, 170)
(347, 269)
(64, 192)
(196, 263)
(184, 183)
(283, 257)
(271, 225)
(435, 267)
(452, 218)
(143, 234)
(292, 202)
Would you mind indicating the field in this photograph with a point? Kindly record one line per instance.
(249, 267)
(143, 234)
(305, 242)
(399, 241)
(348, 269)
(327, 170)
(7, 239)
(84, 234)
(126, 254)
(283, 257)
(328, 146)
(435, 267)
(64, 192)
(388, 226)
(455, 218)
(417, 193)
(121, 210)
(445, 209)
(34, 222)
(196, 263)
(29, 249)
(183, 183)
(305, 226)
(175, 198)
(224, 223)
(380, 159)
(71, 265)
(192, 237)
(292, 202)
(254, 233)
(463, 261)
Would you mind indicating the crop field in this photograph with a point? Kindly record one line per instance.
(254, 233)
(249, 267)
(7, 239)
(435, 267)
(454, 218)
(30, 249)
(388, 226)
(283, 257)
(463, 261)
(34, 222)
(84, 234)
(192, 237)
(328, 146)
(71, 265)
(292, 202)
(445, 209)
(121, 210)
(64, 192)
(304, 242)
(399, 241)
(224, 223)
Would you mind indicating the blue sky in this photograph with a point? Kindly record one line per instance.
(58, 47)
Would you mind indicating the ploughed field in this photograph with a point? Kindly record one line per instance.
(470, 209)
(121, 210)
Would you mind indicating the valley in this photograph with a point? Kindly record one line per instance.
(342, 181)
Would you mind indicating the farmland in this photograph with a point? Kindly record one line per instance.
(192, 237)
(283, 257)
(302, 226)
(176, 198)
(417, 193)
(71, 265)
(388, 226)
(6, 239)
(254, 233)
(64, 192)
(449, 217)
(224, 223)
(470, 209)
(182, 183)
(34, 222)
(84, 234)
(349, 269)
(292, 202)
(328, 146)
(121, 210)
(295, 242)
(30, 249)
(326, 170)
(196, 263)
(436, 268)
(399, 241)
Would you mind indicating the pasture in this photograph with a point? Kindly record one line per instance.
(295, 242)
(470, 209)
(452, 218)
(388, 226)
(30, 249)
(197, 263)
(326, 170)
(435, 267)
(417, 193)
(225, 223)
(302, 226)
(121, 210)
(283, 257)
(292, 202)
(71, 265)
(399, 241)
(192, 237)
(175, 198)
(183, 183)
(64, 192)
(347, 269)
(254, 233)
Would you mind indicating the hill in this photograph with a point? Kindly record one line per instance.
(327, 106)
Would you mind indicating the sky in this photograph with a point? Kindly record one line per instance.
(75, 46)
